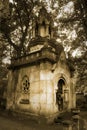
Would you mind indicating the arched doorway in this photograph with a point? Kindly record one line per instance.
(59, 94)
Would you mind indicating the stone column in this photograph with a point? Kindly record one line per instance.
(76, 122)
(33, 32)
(67, 125)
(47, 30)
(51, 34)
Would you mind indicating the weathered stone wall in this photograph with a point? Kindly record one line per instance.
(40, 93)
(42, 90)
(62, 72)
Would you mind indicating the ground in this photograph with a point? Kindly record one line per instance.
(9, 122)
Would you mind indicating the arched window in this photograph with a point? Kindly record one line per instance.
(49, 30)
(59, 97)
(43, 23)
(60, 85)
(25, 84)
(36, 29)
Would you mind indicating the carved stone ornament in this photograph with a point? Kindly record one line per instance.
(25, 84)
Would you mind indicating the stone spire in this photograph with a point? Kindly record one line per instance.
(43, 25)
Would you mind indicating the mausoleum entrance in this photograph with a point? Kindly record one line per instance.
(60, 94)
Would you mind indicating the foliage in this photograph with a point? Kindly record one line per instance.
(16, 27)
(72, 33)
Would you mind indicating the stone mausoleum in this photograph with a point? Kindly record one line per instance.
(40, 83)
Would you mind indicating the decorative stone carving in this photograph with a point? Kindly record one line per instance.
(25, 84)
